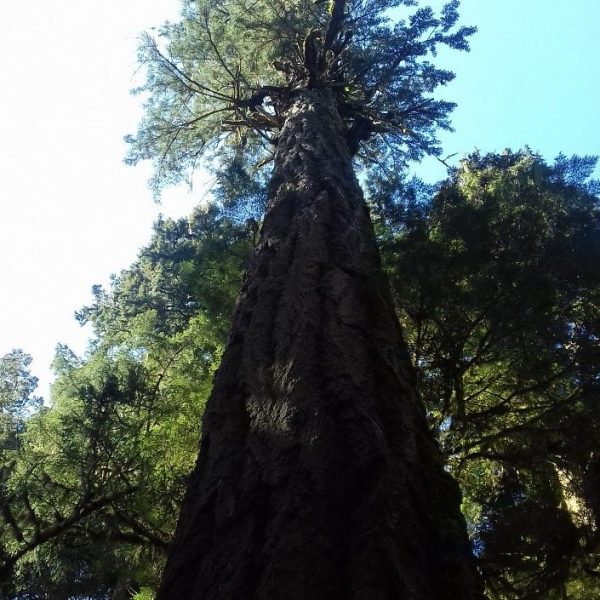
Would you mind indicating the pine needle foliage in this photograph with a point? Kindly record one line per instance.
(219, 82)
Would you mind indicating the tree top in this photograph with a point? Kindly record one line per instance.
(219, 80)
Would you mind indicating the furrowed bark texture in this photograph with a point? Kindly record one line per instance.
(317, 477)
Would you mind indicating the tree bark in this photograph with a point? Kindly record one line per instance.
(317, 477)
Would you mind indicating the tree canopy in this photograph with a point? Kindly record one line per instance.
(497, 285)
(219, 79)
(89, 501)
(511, 389)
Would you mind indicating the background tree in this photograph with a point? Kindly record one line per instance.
(92, 496)
(17, 395)
(497, 285)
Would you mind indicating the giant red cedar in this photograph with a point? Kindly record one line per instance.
(317, 477)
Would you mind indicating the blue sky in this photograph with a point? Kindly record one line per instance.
(531, 78)
(71, 213)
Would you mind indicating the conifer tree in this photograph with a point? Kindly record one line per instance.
(317, 476)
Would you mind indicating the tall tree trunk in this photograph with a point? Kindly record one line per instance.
(317, 477)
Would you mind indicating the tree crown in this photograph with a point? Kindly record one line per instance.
(222, 77)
